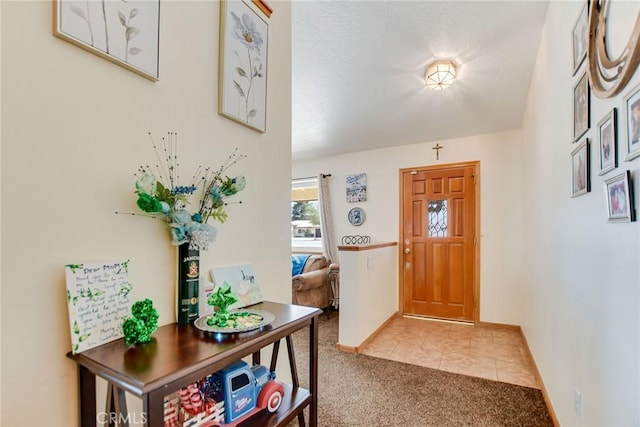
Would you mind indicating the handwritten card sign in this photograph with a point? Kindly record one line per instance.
(99, 299)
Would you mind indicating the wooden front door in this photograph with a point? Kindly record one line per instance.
(438, 237)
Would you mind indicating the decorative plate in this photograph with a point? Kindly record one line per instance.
(267, 317)
(356, 216)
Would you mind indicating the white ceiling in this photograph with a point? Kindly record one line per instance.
(358, 71)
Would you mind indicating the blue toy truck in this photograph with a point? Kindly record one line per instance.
(245, 391)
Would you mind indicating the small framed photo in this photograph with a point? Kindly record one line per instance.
(608, 143)
(632, 121)
(579, 39)
(619, 198)
(580, 179)
(581, 107)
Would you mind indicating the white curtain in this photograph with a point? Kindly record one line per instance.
(326, 219)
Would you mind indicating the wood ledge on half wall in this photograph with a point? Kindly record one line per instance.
(366, 247)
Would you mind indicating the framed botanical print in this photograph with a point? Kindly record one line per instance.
(580, 179)
(632, 123)
(579, 38)
(242, 81)
(608, 142)
(125, 33)
(581, 107)
(619, 198)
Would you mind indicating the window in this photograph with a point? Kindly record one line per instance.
(305, 215)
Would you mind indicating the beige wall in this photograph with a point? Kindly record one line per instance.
(500, 214)
(581, 305)
(74, 132)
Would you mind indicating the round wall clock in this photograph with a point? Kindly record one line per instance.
(356, 216)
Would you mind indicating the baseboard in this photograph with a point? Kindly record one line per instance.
(543, 389)
(350, 349)
(347, 348)
(499, 326)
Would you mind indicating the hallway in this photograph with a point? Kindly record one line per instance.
(494, 353)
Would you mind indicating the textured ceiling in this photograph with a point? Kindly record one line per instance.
(358, 71)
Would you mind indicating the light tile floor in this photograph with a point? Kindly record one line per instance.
(480, 351)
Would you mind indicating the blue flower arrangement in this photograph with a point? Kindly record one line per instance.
(160, 195)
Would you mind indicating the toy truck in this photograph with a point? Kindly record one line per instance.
(245, 391)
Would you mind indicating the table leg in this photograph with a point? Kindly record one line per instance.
(313, 372)
(87, 390)
(256, 358)
(294, 374)
(153, 408)
(274, 356)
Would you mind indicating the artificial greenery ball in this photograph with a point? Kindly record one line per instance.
(138, 329)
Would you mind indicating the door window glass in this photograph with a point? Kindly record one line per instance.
(437, 218)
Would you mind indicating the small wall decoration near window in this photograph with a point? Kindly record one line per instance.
(125, 33)
(608, 142)
(619, 198)
(580, 179)
(632, 121)
(580, 38)
(357, 188)
(580, 107)
(242, 84)
(356, 216)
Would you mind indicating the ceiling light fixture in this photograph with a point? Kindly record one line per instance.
(440, 75)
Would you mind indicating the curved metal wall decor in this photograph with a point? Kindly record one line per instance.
(356, 240)
(609, 76)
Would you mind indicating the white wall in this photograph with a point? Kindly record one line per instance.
(74, 132)
(500, 201)
(581, 275)
(368, 278)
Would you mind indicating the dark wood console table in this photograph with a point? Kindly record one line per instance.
(181, 354)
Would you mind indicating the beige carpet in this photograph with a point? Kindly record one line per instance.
(359, 390)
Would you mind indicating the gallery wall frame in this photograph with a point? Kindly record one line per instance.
(580, 175)
(619, 197)
(581, 107)
(632, 123)
(580, 38)
(124, 33)
(242, 74)
(356, 187)
(608, 142)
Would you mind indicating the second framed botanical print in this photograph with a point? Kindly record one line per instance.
(608, 143)
(580, 107)
(580, 179)
(242, 85)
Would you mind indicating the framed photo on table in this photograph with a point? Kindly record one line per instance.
(579, 38)
(608, 143)
(125, 33)
(580, 179)
(619, 198)
(242, 81)
(581, 107)
(632, 123)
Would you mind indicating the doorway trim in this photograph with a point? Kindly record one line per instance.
(475, 164)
